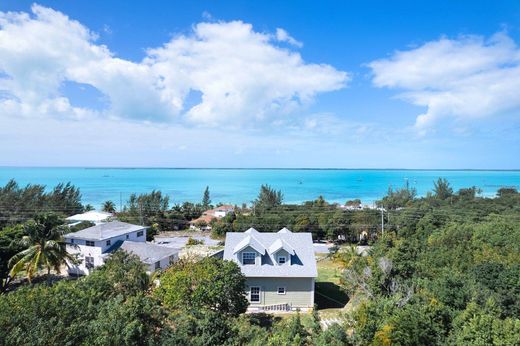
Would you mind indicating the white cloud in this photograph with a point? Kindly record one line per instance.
(244, 77)
(283, 36)
(465, 78)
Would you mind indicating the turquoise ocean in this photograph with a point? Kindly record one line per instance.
(237, 186)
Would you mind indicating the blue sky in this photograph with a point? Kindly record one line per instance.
(373, 84)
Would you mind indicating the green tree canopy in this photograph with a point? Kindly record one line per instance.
(109, 207)
(206, 201)
(9, 246)
(268, 198)
(44, 247)
(442, 189)
(210, 284)
(20, 204)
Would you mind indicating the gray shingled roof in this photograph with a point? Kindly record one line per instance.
(148, 253)
(105, 231)
(304, 262)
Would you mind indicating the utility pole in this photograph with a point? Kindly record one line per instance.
(141, 213)
(382, 221)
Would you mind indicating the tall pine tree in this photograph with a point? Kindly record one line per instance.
(206, 201)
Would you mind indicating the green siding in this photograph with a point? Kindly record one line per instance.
(299, 291)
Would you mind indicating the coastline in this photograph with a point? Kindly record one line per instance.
(237, 186)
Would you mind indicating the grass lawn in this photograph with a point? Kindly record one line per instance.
(328, 292)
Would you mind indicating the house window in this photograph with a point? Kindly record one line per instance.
(72, 241)
(127, 236)
(248, 258)
(90, 243)
(109, 242)
(281, 290)
(140, 233)
(254, 296)
(89, 262)
(172, 259)
(157, 265)
(282, 259)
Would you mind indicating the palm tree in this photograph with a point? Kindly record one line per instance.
(44, 247)
(109, 207)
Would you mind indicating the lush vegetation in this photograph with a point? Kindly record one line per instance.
(43, 247)
(29, 220)
(446, 271)
(118, 305)
(324, 220)
(153, 209)
(20, 204)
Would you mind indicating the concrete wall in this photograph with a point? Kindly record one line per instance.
(299, 292)
(83, 251)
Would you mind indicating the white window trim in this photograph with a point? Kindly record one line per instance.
(259, 295)
(88, 242)
(284, 291)
(248, 252)
(278, 260)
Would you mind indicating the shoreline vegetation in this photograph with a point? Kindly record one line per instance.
(237, 186)
(439, 269)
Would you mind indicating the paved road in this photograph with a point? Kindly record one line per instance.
(322, 248)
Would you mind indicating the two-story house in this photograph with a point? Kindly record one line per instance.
(280, 268)
(93, 244)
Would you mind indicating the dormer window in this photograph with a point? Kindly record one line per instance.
(248, 258)
(282, 259)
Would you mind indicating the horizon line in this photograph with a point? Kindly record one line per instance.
(272, 168)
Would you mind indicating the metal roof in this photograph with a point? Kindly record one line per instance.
(93, 216)
(105, 231)
(303, 262)
(147, 252)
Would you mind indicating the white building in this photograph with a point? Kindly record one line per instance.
(95, 243)
(222, 211)
(203, 222)
(156, 257)
(96, 217)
